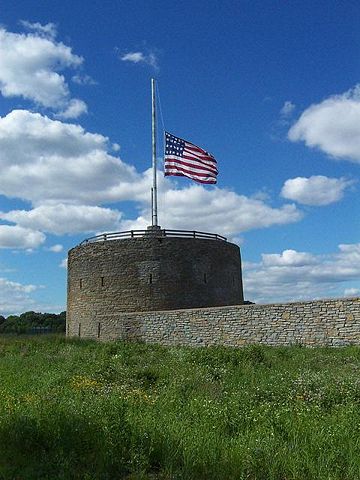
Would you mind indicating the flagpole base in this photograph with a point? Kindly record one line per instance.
(154, 231)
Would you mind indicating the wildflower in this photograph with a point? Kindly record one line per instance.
(80, 382)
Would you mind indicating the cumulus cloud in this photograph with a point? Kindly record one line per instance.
(49, 162)
(83, 79)
(316, 190)
(293, 275)
(66, 173)
(48, 30)
(15, 297)
(220, 210)
(64, 263)
(74, 109)
(14, 236)
(57, 248)
(62, 218)
(217, 210)
(140, 57)
(332, 125)
(287, 109)
(45, 160)
(29, 66)
(288, 258)
(352, 292)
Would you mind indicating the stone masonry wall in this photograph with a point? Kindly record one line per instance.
(150, 274)
(313, 323)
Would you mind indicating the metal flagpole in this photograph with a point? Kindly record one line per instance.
(153, 131)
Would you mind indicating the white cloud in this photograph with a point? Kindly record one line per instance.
(288, 258)
(49, 30)
(29, 66)
(64, 263)
(64, 172)
(316, 190)
(74, 109)
(15, 297)
(332, 125)
(44, 160)
(216, 210)
(57, 248)
(352, 292)
(293, 275)
(83, 79)
(62, 218)
(14, 236)
(287, 109)
(140, 57)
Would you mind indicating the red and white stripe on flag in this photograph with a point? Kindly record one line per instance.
(185, 159)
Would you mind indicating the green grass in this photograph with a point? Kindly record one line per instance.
(83, 410)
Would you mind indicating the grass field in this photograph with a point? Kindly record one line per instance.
(84, 410)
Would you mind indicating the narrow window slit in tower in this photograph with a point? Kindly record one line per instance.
(99, 329)
(79, 332)
(205, 279)
(81, 283)
(102, 281)
(150, 278)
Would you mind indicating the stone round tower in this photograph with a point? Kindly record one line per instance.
(146, 271)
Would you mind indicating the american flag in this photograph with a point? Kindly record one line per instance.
(185, 159)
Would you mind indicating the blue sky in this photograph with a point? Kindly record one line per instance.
(270, 88)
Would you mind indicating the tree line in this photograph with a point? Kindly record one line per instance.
(33, 322)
